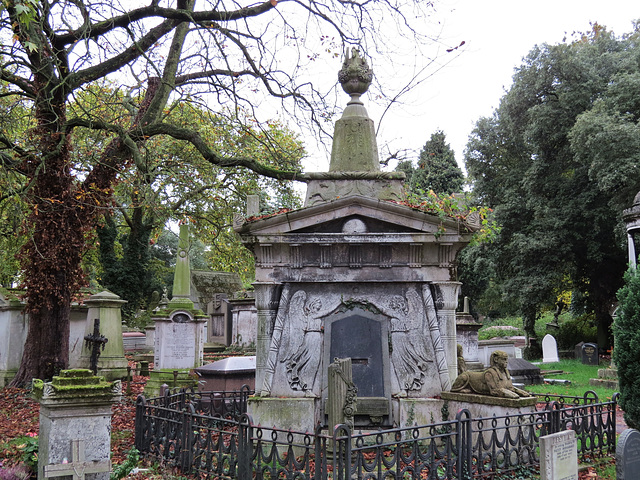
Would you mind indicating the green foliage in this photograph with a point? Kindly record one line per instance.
(437, 169)
(122, 470)
(556, 194)
(626, 353)
(576, 330)
(29, 446)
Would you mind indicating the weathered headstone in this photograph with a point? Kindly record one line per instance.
(590, 354)
(559, 456)
(179, 332)
(75, 425)
(549, 349)
(578, 350)
(628, 455)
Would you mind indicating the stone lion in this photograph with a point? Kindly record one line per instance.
(495, 381)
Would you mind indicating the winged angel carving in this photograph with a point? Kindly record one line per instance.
(302, 342)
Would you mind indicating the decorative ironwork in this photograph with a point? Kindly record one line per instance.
(95, 342)
(184, 429)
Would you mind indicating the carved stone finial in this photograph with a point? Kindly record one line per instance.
(355, 75)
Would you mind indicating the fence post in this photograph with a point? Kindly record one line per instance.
(244, 448)
(320, 450)
(186, 441)
(464, 441)
(554, 417)
(141, 423)
(342, 452)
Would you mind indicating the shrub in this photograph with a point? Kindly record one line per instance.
(626, 353)
(576, 330)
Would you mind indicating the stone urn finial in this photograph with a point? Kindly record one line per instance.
(355, 75)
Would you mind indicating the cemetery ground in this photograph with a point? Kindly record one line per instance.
(19, 426)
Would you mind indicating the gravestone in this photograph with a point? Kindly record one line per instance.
(578, 350)
(590, 354)
(559, 456)
(179, 332)
(628, 455)
(75, 425)
(549, 349)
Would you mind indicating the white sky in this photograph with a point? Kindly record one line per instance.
(498, 34)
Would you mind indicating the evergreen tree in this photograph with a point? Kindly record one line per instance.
(437, 168)
(626, 353)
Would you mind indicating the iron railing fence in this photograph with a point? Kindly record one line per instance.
(176, 430)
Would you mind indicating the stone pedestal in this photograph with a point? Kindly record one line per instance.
(75, 424)
(13, 333)
(467, 334)
(106, 306)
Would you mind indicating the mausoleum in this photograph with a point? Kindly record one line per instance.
(354, 273)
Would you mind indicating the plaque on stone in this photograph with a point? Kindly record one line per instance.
(559, 456)
(590, 354)
(628, 455)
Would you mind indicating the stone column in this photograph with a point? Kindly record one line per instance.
(446, 301)
(106, 306)
(75, 424)
(267, 300)
(13, 334)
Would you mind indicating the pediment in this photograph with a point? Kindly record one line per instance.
(354, 215)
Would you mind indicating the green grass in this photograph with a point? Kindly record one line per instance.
(578, 374)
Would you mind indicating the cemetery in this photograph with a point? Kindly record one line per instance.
(347, 345)
(363, 367)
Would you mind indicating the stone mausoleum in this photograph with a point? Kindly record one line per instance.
(355, 273)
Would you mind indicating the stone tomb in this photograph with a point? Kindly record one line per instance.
(559, 456)
(628, 455)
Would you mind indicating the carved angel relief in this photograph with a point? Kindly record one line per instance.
(302, 352)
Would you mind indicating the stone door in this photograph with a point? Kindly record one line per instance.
(361, 339)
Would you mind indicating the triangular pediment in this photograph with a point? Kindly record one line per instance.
(354, 215)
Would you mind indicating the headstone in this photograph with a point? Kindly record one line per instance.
(549, 349)
(559, 456)
(590, 354)
(13, 333)
(75, 425)
(179, 332)
(628, 455)
(578, 350)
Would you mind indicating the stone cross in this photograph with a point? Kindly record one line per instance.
(78, 467)
(94, 342)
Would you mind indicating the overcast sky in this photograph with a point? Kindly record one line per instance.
(497, 35)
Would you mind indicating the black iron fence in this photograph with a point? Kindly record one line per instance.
(211, 435)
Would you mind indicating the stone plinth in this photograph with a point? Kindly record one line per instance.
(607, 378)
(75, 409)
(487, 400)
(106, 306)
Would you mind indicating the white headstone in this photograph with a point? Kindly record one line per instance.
(549, 349)
(559, 456)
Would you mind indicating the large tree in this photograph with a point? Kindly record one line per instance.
(559, 216)
(222, 53)
(437, 168)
